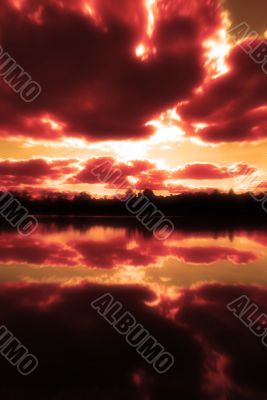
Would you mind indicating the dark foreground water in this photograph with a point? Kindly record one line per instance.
(177, 289)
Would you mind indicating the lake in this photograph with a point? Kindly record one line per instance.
(178, 289)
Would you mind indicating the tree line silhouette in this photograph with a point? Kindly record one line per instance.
(217, 204)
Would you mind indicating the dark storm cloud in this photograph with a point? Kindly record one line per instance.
(92, 81)
(233, 106)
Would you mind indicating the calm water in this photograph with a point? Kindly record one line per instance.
(178, 289)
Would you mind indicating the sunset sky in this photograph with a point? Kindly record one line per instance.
(157, 87)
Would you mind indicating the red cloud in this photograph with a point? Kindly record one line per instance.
(21, 173)
(116, 253)
(132, 168)
(41, 250)
(212, 171)
(210, 255)
(34, 172)
(148, 176)
(262, 185)
(232, 108)
(35, 251)
(93, 84)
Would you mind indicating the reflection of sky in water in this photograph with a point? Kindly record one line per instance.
(178, 289)
(117, 255)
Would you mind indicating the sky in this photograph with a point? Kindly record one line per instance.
(158, 88)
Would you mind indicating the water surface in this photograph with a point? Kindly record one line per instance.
(178, 289)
